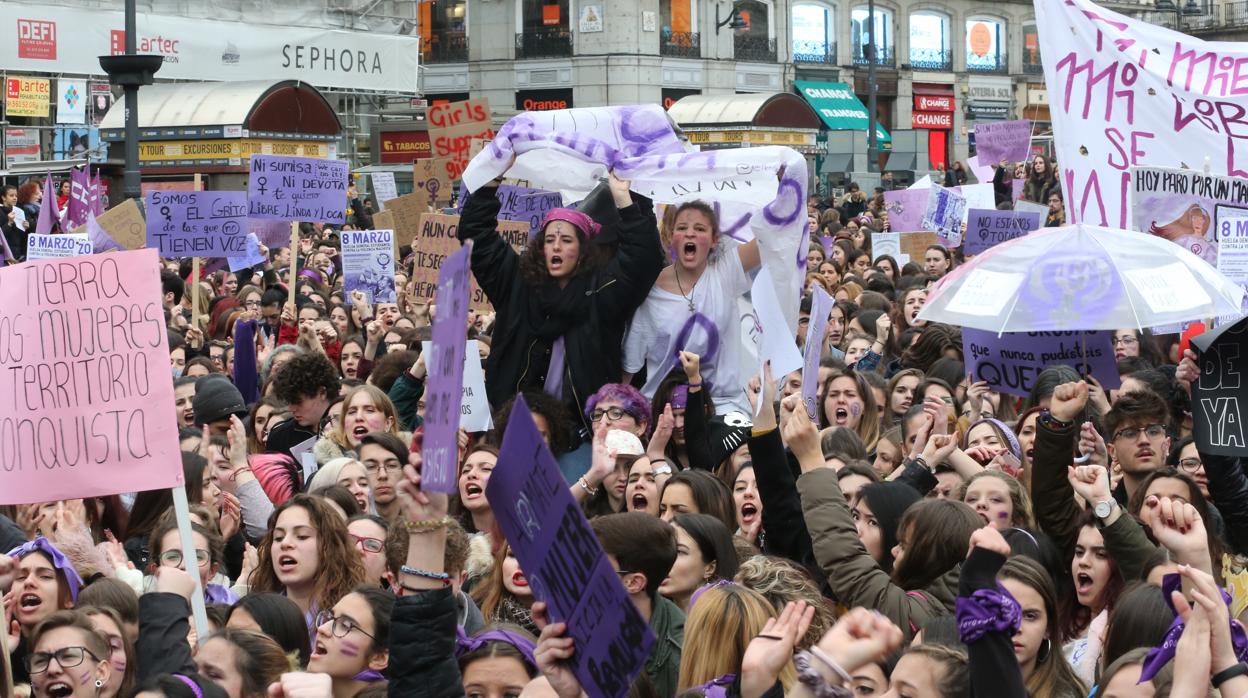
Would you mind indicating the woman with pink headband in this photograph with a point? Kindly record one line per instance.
(563, 304)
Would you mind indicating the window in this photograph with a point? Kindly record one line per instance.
(985, 45)
(444, 31)
(859, 33)
(1031, 50)
(543, 30)
(814, 32)
(678, 37)
(929, 42)
(754, 42)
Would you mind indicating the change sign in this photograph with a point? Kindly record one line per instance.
(197, 223)
(1217, 421)
(297, 189)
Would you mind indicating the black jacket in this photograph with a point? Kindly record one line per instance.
(591, 313)
(164, 622)
(422, 647)
(13, 234)
(994, 670)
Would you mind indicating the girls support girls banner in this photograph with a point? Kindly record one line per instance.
(1130, 93)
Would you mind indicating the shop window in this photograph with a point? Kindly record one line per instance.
(884, 39)
(444, 31)
(1031, 50)
(678, 36)
(755, 41)
(543, 30)
(985, 45)
(814, 34)
(929, 42)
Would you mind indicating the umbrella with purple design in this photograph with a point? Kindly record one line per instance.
(1081, 277)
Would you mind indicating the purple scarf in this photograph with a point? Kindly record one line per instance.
(1159, 655)
(59, 561)
(986, 611)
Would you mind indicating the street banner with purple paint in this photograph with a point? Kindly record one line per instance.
(368, 264)
(986, 228)
(197, 223)
(1127, 93)
(105, 425)
(905, 209)
(251, 258)
(1219, 393)
(1002, 140)
(945, 212)
(444, 386)
(812, 350)
(523, 204)
(563, 562)
(1188, 208)
(297, 189)
(57, 246)
(1011, 362)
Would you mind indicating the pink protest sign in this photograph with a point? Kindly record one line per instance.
(86, 397)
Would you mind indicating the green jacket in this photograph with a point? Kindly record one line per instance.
(405, 393)
(663, 666)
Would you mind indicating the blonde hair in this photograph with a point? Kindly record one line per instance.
(380, 400)
(780, 581)
(719, 627)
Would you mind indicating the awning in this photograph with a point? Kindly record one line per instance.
(902, 161)
(838, 107)
(761, 109)
(837, 163)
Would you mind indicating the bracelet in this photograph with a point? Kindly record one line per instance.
(436, 576)
(921, 461)
(1236, 670)
(1047, 419)
(828, 662)
(429, 525)
(584, 484)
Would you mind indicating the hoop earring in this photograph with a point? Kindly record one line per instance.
(1043, 654)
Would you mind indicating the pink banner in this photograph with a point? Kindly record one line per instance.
(86, 397)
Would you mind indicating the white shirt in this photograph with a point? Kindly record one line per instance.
(665, 316)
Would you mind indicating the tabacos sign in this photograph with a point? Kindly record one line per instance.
(163, 45)
(36, 38)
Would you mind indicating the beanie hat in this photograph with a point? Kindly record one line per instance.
(216, 398)
(887, 502)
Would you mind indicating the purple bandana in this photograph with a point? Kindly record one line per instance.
(368, 676)
(465, 644)
(985, 611)
(59, 561)
(191, 683)
(707, 587)
(717, 688)
(1159, 655)
(588, 226)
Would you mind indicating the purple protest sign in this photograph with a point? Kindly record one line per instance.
(520, 203)
(445, 384)
(49, 214)
(79, 197)
(197, 223)
(905, 209)
(271, 234)
(987, 228)
(297, 189)
(1002, 140)
(1016, 188)
(812, 350)
(1011, 362)
(945, 209)
(563, 561)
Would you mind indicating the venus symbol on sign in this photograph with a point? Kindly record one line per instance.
(165, 211)
(262, 181)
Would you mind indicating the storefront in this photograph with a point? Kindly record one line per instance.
(839, 109)
(735, 121)
(213, 128)
(933, 112)
(544, 100)
(990, 99)
(399, 142)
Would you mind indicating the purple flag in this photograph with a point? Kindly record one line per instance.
(49, 215)
(812, 351)
(1011, 362)
(100, 240)
(986, 229)
(444, 387)
(563, 561)
(79, 197)
(97, 195)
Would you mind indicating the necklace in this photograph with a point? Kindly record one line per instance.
(688, 300)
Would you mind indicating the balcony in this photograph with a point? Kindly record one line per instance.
(447, 47)
(937, 60)
(992, 64)
(884, 57)
(1032, 65)
(680, 44)
(544, 42)
(755, 49)
(822, 52)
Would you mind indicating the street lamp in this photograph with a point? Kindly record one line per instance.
(131, 71)
(733, 21)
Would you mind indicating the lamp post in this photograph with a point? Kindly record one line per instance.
(130, 71)
(873, 155)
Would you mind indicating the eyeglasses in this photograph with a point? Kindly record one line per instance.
(1190, 465)
(615, 414)
(67, 657)
(340, 626)
(1153, 431)
(1125, 341)
(368, 545)
(391, 466)
(173, 558)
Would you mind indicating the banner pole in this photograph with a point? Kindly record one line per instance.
(294, 260)
(195, 272)
(182, 510)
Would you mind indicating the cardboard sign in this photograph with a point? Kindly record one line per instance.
(57, 246)
(564, 563)
(297, 189)
(384, 188)
(444, 387)
(1003, 140)
(405, 212)
(986, 228)
(812, 350)
(436, 240)
(1219, 392)
(104, 426)
(914, 246)
(453, 128)
(197, 223)
(368, 264)
(1011, 362)
(429, 176)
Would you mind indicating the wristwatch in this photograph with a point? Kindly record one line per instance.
(1104, 509)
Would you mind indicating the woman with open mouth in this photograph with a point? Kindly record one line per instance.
(1037, 642)
(748, 505)
(645, 479)
(505, 596)
(562, 306)
(848, 401)
(472, 508)
(68, 658)
(307, 555)
(365, 409)
(45, 582)
(352, 642)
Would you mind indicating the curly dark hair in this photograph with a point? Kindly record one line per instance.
(543, 405)
(592, 257)
(304, 377)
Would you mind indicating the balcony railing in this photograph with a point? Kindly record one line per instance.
(680, 44)
(931, 59)
(883, 56)
(546, 42)
(814, 52)
(447, 47)
(756, 49)
(996, 63)
(1033, 66)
